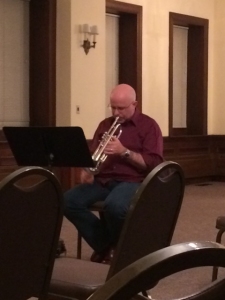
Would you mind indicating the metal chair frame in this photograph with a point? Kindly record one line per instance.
(148, 270)
(220, 224)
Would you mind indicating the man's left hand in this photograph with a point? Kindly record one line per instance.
(114, 147)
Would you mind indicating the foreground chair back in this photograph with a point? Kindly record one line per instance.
(31, 212)
(149, 226)
(146, 271)
(152, 217)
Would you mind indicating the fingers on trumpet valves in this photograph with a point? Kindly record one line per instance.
(99, 156)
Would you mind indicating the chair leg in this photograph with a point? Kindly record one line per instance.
(214, 273)
(79, 245)
(218, 240)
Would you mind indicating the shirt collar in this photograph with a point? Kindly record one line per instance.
(134, 118)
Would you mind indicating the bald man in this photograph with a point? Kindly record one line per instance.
(130, 157)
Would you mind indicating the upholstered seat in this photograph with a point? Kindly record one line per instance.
(86, 276)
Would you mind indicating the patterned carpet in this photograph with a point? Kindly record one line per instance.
(201, 206)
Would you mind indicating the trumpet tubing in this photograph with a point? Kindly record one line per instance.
(98, 156)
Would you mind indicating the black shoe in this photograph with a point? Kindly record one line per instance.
(97, 257)
(104, 257)
(108, 256)
(61, 248)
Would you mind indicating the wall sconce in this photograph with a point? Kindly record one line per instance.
(89, 33)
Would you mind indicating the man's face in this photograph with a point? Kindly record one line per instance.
(122, 107)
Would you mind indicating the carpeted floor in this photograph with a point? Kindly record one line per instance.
(201, 206)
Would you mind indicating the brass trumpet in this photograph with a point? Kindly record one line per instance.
(98, 156)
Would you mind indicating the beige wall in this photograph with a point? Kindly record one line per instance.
(218, 105)
(83, 75)
(63, 63)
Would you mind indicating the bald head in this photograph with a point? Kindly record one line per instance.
(124, 91)
(123, 102)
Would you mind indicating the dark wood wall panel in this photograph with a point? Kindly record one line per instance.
(42, 63)
(219, 144)
(197, 155)
(201, 157)
(220, 165)
(197, 166)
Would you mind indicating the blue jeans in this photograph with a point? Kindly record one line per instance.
(116, 196)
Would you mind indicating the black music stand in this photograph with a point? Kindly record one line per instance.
(49, 146)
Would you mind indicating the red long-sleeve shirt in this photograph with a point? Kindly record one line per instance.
(140, 134)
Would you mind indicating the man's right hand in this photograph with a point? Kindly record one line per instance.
(86, 177)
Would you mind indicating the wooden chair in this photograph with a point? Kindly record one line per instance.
(31, 212)
(149, 226)
(220, 225)
(144, 272)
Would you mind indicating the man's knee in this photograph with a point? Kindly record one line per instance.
(67, 206)
(75, 199)
(70, 201)
(116, 209)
